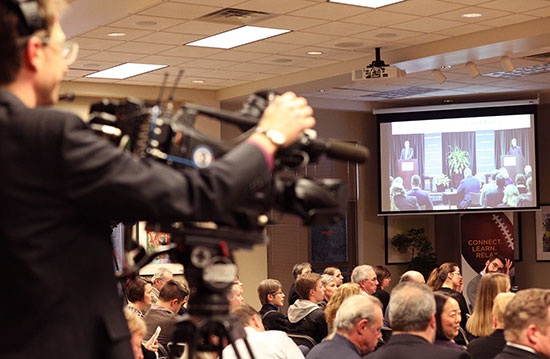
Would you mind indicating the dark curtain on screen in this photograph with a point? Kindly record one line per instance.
(416, 143)
(502, 143)
(465, 140)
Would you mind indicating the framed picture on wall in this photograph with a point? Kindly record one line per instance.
(542, 233)
(401, 230)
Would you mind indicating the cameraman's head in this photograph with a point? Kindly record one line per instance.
(33, 61)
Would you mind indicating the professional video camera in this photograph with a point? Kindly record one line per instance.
(162, 133)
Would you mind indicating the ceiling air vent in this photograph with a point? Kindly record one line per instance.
(236, 16)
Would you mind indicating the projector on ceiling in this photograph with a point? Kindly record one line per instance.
(377, 70)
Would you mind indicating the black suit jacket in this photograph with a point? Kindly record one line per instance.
(409, 346)
(60, 186)
(516, 353)
(487, 347)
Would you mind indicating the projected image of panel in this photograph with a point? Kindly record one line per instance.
(459, 160)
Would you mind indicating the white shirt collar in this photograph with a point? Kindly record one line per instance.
(519, 346)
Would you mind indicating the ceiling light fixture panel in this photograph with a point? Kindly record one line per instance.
(124, 71)
(367, 3)
(237, 37)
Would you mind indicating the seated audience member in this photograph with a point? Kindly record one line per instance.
(510, 198)
(139, 295)
(329, 284)
(365, 276)
(521, 183)
(297, 271)
(448, 319)
(185, 285)
(335, 272)
(412, 312)
(448, 279)
(161, 276)
(383, 276)
(492, 197)
(137, 329)
(401, 200)
(346, 290)
(272, 344)
(164, 313)
(467, 186)
(527, 170)
(304, 316)
(408, 276)
(270, 292)
(235, 295)
(506, 175)
(480, 323)
(422, 197)
(357, 323)
(488, 347)
(495, 264)
(527, 325)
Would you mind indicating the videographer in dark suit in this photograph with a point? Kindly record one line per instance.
(61, 185)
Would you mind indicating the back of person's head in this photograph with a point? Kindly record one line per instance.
(494, 174)
(397, 189)
(501, 180)
(135, 289)
(412, 276)
(344, 291)
(467, 172)
(529, 306)
(415, 181)
(520, 179)
(411, 307)
(481, 322)
(527, 169)
(511, 195)
(440, 274)
(12, 29)
(360, 273)
(381, 274)
(173, 290)
(299, 268)
(499, 306)
(268, 286)
(355, 308)
(306, 283)
(245, 313)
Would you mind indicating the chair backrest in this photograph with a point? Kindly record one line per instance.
(475, 199)
(302, 339)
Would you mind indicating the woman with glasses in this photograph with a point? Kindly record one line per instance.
(270, 292)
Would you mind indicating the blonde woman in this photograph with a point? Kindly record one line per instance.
(344, 291)
(480, 323)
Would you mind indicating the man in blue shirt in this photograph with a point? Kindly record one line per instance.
(358, 323)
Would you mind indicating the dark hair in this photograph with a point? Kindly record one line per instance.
(299, 268)
(173, 290)
(440, 301)
(381, 274)
(501, 180)
(306, 283)
(439, 275)
(135, 289)
(268, 286)
(415, 180)
(496, 256)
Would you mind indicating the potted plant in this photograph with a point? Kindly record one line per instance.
(442, 181)
(458, 160)
(422, 252)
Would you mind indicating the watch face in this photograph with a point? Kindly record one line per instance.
(276, 137)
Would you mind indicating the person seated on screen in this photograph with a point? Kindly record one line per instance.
(492, 197)
(468, 185)
(422, 197)
(407, 153)
(520, 183)
(528, 171)
(510, 198)
(515, 150)
(401, 200)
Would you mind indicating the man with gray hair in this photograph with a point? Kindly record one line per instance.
(161, 276)
(412, 315)
(408, 276)
(365, 276)
(358, 323)
(527, 325)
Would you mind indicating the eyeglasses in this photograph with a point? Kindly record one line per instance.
(275, 293)
(457, 273)
(497, 267)
(69, 50)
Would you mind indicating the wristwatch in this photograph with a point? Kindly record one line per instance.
(275, 136)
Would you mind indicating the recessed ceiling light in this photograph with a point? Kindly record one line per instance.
(448, 100)
(237, 37)
(444, 67)
(472, 14)
(197, 81)
(315, 52)
(146, 23)
(125, 70)
(367, 3)
(116, 34)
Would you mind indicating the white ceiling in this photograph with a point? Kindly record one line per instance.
(416, 35)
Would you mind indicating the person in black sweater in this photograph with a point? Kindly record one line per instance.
(270, 292)
(384, 279)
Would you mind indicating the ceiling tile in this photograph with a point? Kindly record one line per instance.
(302, 38)
(141, 48)
(190, 51)
(96, 44)
(464, 29)
(161, 60)
(223, 74)
(283, 70)
(516, 5)
(380, 18)
(118, 57)
(423, 7)
(508, 20)
(328, 54)
(387, 34)
(201, 28)
(488, 14)
(236, 55)
(77, 73)
(222, 3)
(422, 39)
(276, 7)
(542, 12)
(339, 29)
(427, 25)
(210, 64)
(159, 23)
(468, 2)
(92, 65)
(352, 44)
(90, 79)
(83, 53)
(169, 38)
(253, 77)
(250, 67)
(179, 11)
(268, 47)
(102, 32)
(290, 22)
(332, 11)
